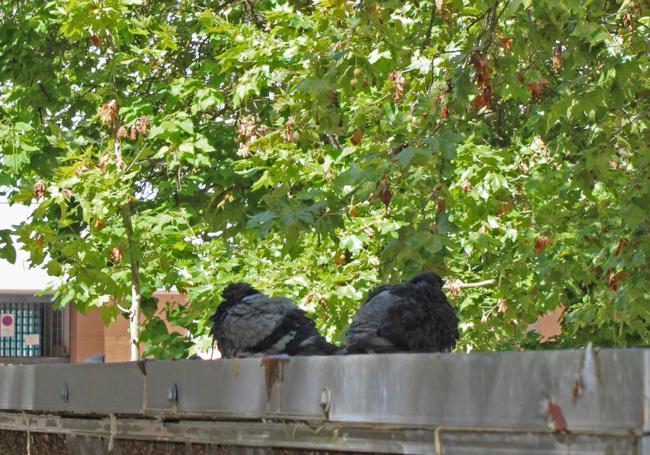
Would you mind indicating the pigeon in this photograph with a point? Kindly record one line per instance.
(248, 323)
(95, 358)
(408, 317)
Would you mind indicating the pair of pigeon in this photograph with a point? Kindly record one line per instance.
(410, 317)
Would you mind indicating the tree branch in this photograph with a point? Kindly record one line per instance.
(457, 284)
(134, 312)
(47, 96)
(427, 38)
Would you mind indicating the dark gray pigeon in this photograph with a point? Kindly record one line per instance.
(95, 358)
(407, 317)
(249, 323)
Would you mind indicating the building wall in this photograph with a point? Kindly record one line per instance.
(89, 336)
(86, 335)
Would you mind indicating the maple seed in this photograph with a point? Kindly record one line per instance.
(483, 72)
(440, 206)
(103, 162)
(480, 62)
(140, 127)
(505, 208)
(80, 171)
(538, 86)
(96, 41)
(290, 133)
(454, 288)
(108, 113)
(39, 189)
(540, 244)
(248, 131)
(399, 82)
(556, 61)
(356, 137)
(613, 280)
(385, 197)
(339, 258)
(382, 192)
(506, 44)
(116, 254)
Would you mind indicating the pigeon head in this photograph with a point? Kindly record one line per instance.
(428, 279)
(237, 291)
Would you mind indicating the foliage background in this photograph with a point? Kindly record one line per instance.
(319, 148)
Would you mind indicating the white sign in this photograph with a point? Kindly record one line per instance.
(33, 339)
(7, 327)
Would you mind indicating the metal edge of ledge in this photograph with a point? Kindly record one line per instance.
(514, 390)
(327, 436)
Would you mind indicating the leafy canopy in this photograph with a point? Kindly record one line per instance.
(319, 148)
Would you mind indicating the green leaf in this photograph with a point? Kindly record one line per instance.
(376, 55)
(351, 243)
(22, 126)
(186, 125)
(7, 250)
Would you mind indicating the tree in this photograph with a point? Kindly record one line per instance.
(319, 148)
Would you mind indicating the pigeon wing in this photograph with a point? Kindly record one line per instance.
(249, 322)
(444, 328)
(406, 326)
(295, 334)
(362, 335)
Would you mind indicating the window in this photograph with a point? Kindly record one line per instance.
(30, 327)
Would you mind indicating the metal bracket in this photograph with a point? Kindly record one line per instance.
(172, 393)
(325, 401)
(64, 394)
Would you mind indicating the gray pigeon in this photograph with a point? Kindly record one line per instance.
(407, 317)
(249, 323)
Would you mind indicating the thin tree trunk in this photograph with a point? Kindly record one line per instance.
(134, 254)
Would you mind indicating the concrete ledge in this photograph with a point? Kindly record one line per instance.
(405, 403)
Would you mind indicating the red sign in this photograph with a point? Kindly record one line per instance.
(7, 325)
